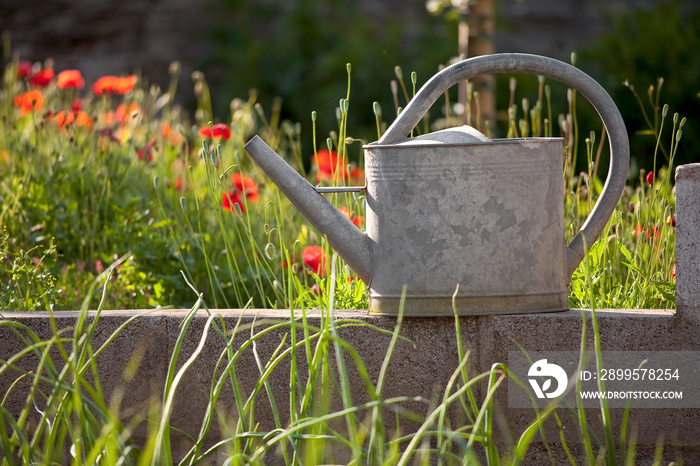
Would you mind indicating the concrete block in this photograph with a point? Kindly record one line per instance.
(421, 365)
(688, 239)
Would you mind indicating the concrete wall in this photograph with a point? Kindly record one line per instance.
(419, 367)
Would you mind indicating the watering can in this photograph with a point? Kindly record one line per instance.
(459, 219)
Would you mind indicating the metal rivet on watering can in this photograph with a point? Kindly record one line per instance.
(457, 208)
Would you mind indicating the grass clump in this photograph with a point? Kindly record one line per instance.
(92, 175)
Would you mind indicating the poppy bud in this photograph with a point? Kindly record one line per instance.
(270, 251)
(650, 178)
(174, 68)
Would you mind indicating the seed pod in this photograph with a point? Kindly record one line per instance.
(270, 251)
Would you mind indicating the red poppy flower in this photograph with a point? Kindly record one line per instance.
(70, 78)
(357, 175)
(42, 78)
(673, 272)
(76, 105)
(108, 133)
(114, 85)
(24, 69)
(314, 258)
(79, 118)
(32, 100)
(220, 130)
(640, 231)
(245, 185)
(146, 152)
(645, 234)
(230, 199)
(357, 221)
(329, 166)
(650, 178)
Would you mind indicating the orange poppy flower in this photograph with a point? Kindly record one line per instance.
(114, 85)
(42, 78)
(32, 100)
(104, 85)
(126, 84)
(124, 112)
(64, 119)
(220, 130)
(70, 78)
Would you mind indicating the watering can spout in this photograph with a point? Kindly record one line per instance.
(344, 237)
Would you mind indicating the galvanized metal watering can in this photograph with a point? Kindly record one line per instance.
(454, 207)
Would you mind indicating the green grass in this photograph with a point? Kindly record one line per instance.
(68, 419)
(75, 198)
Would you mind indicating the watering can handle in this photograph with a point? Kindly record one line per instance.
(551, 68)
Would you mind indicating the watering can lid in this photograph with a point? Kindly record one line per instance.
(457, 135)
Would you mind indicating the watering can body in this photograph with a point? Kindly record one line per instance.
(456, 220)
(485, 215)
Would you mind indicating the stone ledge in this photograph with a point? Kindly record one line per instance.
(418, 369)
